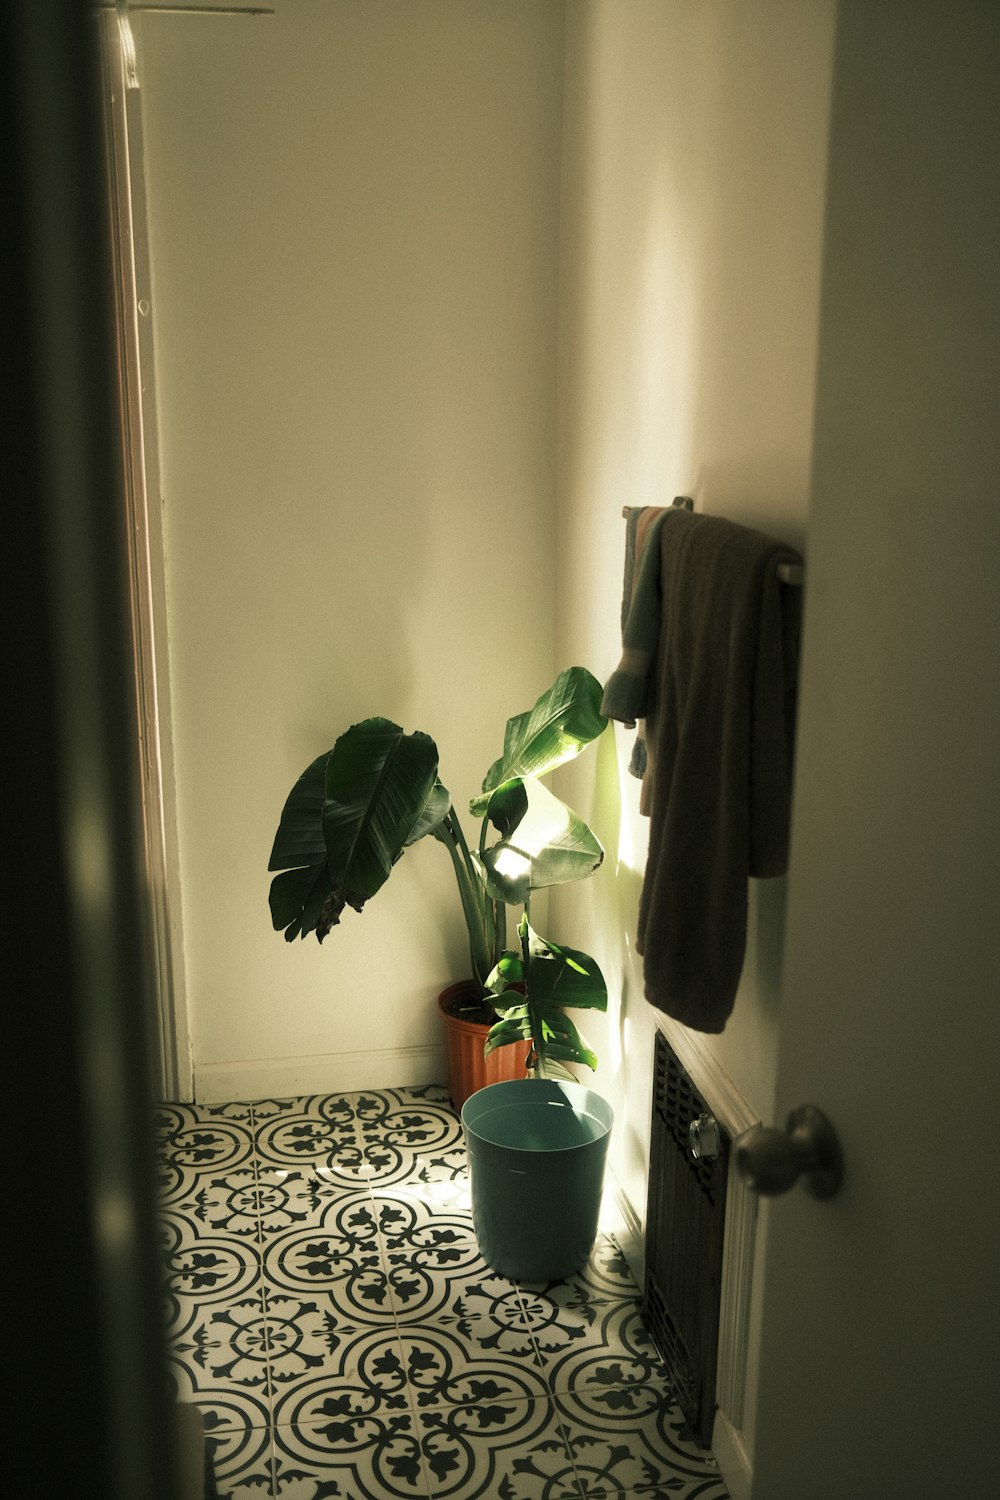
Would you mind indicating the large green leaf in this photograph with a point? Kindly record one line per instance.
(378, 785)
(296, 897)
(554, 979)
(436, 809)
(347, 820)
(561, 724)
(299, 839)
(545, 843)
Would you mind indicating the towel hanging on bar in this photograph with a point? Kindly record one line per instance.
(718, 693)
(793, 574)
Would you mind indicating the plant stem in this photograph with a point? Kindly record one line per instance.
(473, 897)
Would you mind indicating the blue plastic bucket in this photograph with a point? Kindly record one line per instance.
(536, 1151)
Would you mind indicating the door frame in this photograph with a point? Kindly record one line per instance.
(132, 296)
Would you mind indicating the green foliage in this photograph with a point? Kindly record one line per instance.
(547, 980)
(354, 810)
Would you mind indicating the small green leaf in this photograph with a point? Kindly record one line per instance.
(554, 978)
(508, 972)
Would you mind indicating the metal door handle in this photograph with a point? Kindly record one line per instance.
(772, 1161)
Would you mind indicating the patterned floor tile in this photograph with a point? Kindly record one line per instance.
(337, 1109)
(635, 1442)
(603, 1346)
(316, 1132)
(207, 1204)
(346, 1221)
(190, 1136)
(239, 1446)
(359, 1376)
(205, 1273)
(408, 1135)
(454, 1362)
(606, 1277)
(494, 1446)
(352, 1291)
(191, 1145)
(445, 1278)
(237, 1421)
(371, 1458)
(373, 1106)
(223, 1350)
(420, 1215)
(290, 1196)
(334, 1319)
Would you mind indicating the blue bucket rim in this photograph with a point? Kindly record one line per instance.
(573, 1095)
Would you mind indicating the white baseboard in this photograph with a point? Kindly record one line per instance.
(732, 1457)
(618, 1217)
(331, 1073)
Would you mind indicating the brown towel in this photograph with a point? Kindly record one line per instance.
(719, 738)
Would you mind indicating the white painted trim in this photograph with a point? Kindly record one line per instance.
(731, 1455)
(328, 1073)
(618, 1217)
(735, 1115)
(144, 547)
(728, 1104)
(737, 1285)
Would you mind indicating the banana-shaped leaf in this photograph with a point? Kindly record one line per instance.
(299, 839)
(297, 896)
(553, 978)
(437, 808)
(378, 785)
(552, 1038)
(545, 842)
(561, 724)
(347, 820)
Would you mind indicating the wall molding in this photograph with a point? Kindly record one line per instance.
(731, 1454)
(328, 1073)
(142, 530)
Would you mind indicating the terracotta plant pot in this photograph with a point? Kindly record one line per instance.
(468, 1070)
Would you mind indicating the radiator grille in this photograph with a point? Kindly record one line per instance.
(685, 1222)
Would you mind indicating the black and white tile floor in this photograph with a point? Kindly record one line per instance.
(330, 1314)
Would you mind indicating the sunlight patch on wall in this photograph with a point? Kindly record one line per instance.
(630, 855)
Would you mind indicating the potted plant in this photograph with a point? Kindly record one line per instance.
(356, 809)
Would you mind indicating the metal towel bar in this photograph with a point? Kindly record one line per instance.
(794, 574)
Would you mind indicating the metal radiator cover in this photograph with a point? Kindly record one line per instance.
(685, 1224)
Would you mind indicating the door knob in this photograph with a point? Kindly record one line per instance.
(772, 1161)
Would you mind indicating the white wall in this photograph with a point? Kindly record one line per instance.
(693, 179)
(353, 224)
(693, 185)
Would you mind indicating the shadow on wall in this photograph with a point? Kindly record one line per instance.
(766, 932)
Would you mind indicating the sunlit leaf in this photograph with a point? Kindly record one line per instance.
(554, 978)
(546, 842)
(563, 721)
